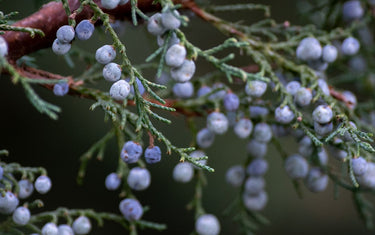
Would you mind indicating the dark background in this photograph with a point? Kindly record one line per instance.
(35, 140)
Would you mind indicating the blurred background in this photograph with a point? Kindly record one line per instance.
(35, 140)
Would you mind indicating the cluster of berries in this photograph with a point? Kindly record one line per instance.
(80, 226)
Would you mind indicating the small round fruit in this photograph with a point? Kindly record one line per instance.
(110, 4)
(309, 49)
(205, 138)
(255, 202)
(322, 114)
(81, 225)
(119, 90)
(175, 55)
(153, 154)
(61, 88)
(350, 46)
(139, 178)
(50, 229)
(3, 47)
(105, 54)
(26, 188)
(257, 167)
(21, 215)
(235, 175)
(154, 25)
(183, 172)
(112, 72)
(183, 90)
(262, 132)
(217, 123)
(43, 184)
(255, 88)
(329, 53)
(112, 181)
(243, 128)
(207, 224)
(184, 72)
(84, 29)
(131, 209)
(296, 166)
(170, 19)
(131, 151)
(284, 114)
(65, 34)
(60, 48)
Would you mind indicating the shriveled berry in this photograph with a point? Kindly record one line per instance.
(153, 154)
(131, 152)
(131, 209)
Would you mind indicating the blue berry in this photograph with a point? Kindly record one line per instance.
(218, 95)
(131, 152)
(316, 180)
(207, 224)
(163, 79)
(84, 29)
(172, 40)
(61, 88)
(284, 114)
(323, 86)
(255, 202)
(203, 90)
(170, 20)
(141, 88)
(105, 54)
(296, 166)
(184, 72)
(60, 48)
(1, 173)
(254, 185)
(26, 188)
(153, 154)
(359, 166)
(235, 175)
(309, 49)
(43, 184)
(183, 90)
(81, 225)
(21, 216)
(322, 157)
(262, 132)
(131, 209)
(119, 90)
(154, 25)
(303, 96)
(255, 88)
(352, 10)
(322, 114)
(50, 229)
(243, 128)
(110, 4)
(217, 123)
(257, 167)
(256, 148)
(318, 65)
(8, 203)
(123, 2)
(258, 111)
(329, 53)
(65, 229)
(65, 34)
(3, 47)
(205, 138)
(231, 102)
(351, 99)
(112, 72)
(112, 181)
(175, 55)
(139, 178)
(183, 172)
(323, 129)
(305, 146)
(292, 87)
(367, 179)
(350, 46)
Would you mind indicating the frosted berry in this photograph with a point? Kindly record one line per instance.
(184, 72)
(303, 96)
(257, 167)
(170, 20)
(231, 102)
(235, 175)
(154, 25)
(316, 180)
(153, 154)
(50, 229)
(322, 114)
(309, 49)
(60, 48)
(61, 88)
(112, 72)
(255, 202)
(183, 172)
(81, 225)
(8, 203)
(65, 34)
(243, 128)
(254, 185)
(65, 229)
(262, 132)
(352, 10)
(110, 4)
(323, 129)
(205, 138)
(256, 148)
(329, 53)
(296, 166)
(292, 87)
(131, 152)
(119, 90)
(183, 90)
(359, 166)
(112, 181)
(217, 123)
(255, 88)
(21, 216)
(105, 54)
(26, 188)
(175, 55)
(3, 47)
(84, 29)
(207, 224)
(139, 178)
(284, 114)
(131, 209)
(43, 184)
(350, 46)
